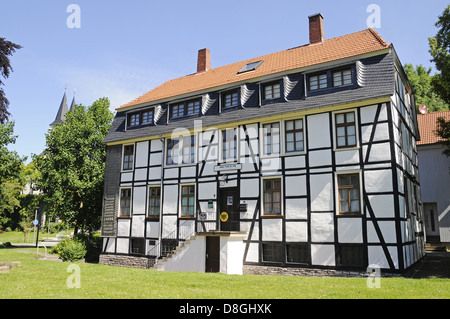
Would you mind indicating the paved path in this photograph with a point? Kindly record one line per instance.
(434, 264)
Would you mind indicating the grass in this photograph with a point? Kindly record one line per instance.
(44, 279)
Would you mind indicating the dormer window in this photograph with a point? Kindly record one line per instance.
(342, 77)
(187, 108)
(140, 118)
(230, 99)
(271, 91)
(317, 82)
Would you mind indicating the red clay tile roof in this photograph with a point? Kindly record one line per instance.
(427, 126)
(354, 44)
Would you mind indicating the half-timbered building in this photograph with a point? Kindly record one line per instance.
(300, 158)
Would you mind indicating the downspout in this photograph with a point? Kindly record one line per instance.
(162, 192)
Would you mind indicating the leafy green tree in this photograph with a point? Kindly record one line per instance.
(11, 182)
(73, 164)
(7, 48)
(440, 51)
(420, 79)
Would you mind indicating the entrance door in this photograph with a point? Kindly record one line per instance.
(212, 254)
(431, 221)
(229, 210)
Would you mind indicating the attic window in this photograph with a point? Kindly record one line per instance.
(250, 67)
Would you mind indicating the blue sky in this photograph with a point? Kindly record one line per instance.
(125, 48)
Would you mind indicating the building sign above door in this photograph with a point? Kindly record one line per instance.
(227, 167)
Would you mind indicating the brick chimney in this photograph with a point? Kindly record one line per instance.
(316, 33)
(204, 60)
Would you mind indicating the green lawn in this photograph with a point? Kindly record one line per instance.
(48, 279)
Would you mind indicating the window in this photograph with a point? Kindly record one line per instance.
(272, 196)
(181, 150)
(250, 67)
(137, 246)
(351, 255)
(294, 136)
(140, 118)
(317, 82)
(230, 99)
(125, 202)
(229, 145)
(187, 201)
(297, 253)
(128, 157)
(185, 108)
(154, 202)
(342, 77)
(345, 130)
(271, 142)
(349, 194)
(273, 252)
(271, 91)
(188, 149)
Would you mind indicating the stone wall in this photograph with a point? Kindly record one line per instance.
(126, 261)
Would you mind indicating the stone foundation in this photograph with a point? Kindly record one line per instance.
(126, 261)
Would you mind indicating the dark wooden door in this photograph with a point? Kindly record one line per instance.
(229, 204)
(212, 254)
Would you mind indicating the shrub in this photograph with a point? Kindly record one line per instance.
(70, 249)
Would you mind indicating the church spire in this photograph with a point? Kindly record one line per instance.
(63, 109)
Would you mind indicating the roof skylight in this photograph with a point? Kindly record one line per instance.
(250, 66)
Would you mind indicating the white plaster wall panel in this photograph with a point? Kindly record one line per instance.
(249, 187)
(378, 152)
(188, 171)
(295, 185)
(322, 255)
(296, 208)
(155, 159)
(247, 164)
(347, 157)
(252, 131)
(368, 113)
(139, 196)
(270, 165)
(377, 257)
(140, 174)
(378, 181)
(151, 249)
(204, 207)
(321, 192)
(296, 231)
(245, 150)
(123, 227)
(190, 258)
(319, 158)
(171, 172)
(272, 229)
(138, 226)
(387, 231)
(126, 177)
(156, 145)
(170, 199)
(206, 137)
(154, 173)
(382, 205)
(169, 225)
(246, 227)
(209, 169)
(186, 229)
(235, 253)
(253, 253)
(381, 132)
(123, 245)
(153, 229)
(318, 130)
(251, 205)
(294, 161)
(322, 227)
(142, 154)
(350, 230)
(109, 246)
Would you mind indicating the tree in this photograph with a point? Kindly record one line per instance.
(73, 164)
(11, 181)
(420, 80)
(440, 51)
(7, 48)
